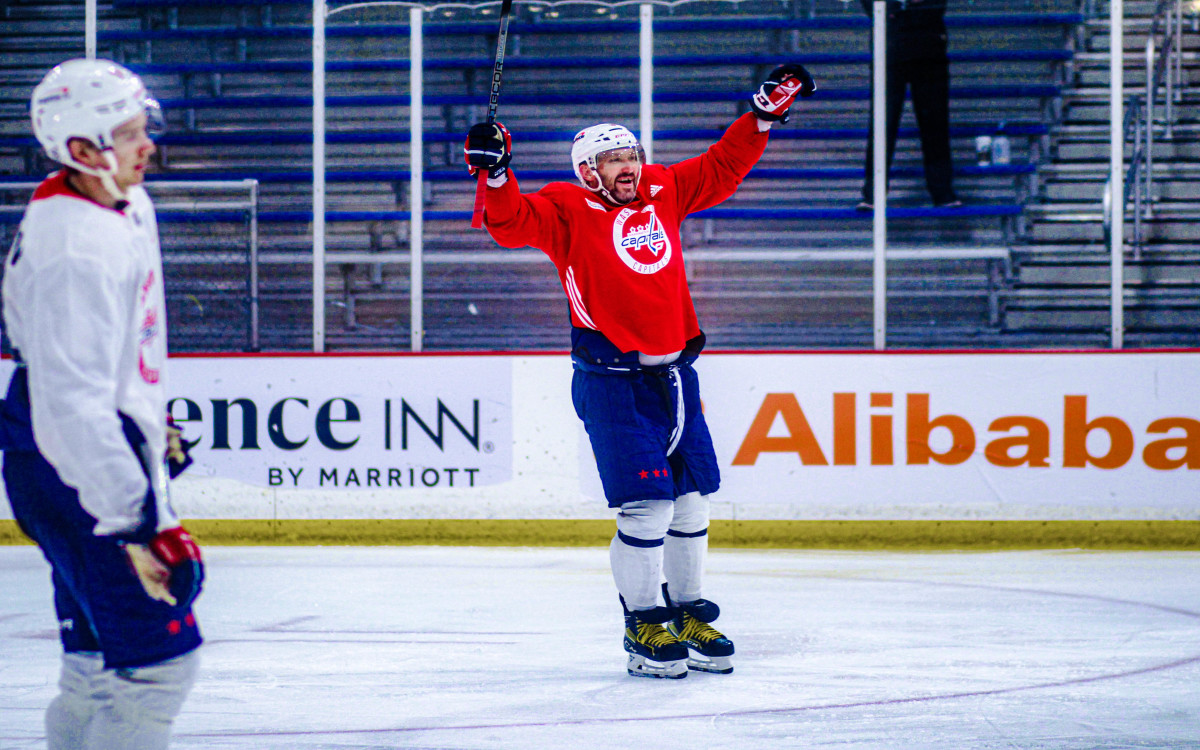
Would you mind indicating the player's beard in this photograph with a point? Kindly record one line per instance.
(623, 191)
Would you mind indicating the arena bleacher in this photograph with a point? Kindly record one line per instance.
(783, 264)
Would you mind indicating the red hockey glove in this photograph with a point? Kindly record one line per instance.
(175, 547)
(488, 146)
(169, 568)
(775, 96)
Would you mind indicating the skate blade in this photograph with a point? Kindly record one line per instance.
(638, 666)
(715, 665)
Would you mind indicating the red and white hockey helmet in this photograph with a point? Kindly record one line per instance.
(88, 99)
(590, 142)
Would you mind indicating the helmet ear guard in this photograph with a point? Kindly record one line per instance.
(89, 99)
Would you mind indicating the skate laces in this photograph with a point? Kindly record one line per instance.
(653, 634)
(697, 630)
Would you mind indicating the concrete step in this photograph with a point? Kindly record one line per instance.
(1062, 272)
(1132, 59)
(1135, 75)
(1181, 321)
(1189, 97)
(1088, 252)
(1185, 128)
(1083, 191)
(1075, 228)
(1097, 171)
(1164, 150)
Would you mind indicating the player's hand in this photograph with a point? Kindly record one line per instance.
(169, 568)
(151, 572)
(775, 96)
(488, 146)
(177, 450)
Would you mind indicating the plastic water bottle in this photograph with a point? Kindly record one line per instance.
(1001, 149)
(983, 150)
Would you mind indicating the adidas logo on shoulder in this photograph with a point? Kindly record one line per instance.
(654, 190)
(595, 205)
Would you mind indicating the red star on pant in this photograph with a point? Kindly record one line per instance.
(643, 474)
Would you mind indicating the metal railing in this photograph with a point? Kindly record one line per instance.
(1164, 61)
(174, 208)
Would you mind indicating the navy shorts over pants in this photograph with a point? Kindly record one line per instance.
(100, 603)
(646, 446)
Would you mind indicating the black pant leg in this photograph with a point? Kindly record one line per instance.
(931, 104)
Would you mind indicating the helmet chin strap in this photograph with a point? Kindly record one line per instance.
(106, 174)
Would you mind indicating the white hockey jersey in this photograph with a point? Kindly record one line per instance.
(84, 307)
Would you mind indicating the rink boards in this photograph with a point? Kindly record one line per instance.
(833, 448)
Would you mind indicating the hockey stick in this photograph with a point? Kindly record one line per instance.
(493, 103)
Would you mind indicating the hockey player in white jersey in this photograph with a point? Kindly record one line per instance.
(87, 444)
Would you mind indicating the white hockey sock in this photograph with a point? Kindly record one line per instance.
(83, 687)
(686, 547)
(145, 702)
(683, 565)
(636, 552)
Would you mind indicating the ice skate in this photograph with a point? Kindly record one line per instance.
(653, 652)
(709, 648)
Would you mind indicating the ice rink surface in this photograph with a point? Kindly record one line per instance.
(443, 648)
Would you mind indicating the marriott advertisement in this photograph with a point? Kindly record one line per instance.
(347, 422)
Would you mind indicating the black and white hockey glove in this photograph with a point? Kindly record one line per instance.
(169, 567)
(489, 146)
(167, 561)
(775, 96)
(177, 450)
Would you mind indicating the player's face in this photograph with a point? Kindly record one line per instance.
(619, 170)
(133, 148)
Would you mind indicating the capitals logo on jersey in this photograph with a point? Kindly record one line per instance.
(149, 330)
(641, 241)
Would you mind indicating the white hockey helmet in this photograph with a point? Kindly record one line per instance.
(88, 99)
(591, 142)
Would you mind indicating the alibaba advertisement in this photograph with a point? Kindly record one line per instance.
(1096, 429)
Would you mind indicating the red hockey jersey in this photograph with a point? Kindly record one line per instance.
(622, 267)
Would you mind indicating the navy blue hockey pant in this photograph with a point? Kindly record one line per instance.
(648, 433)
(100, 603)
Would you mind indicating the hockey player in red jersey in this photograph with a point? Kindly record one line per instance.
(614, 239)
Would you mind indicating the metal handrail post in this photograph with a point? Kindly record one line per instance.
(646, 79)
(1116, 172)
(880, 165)
(318, 185)
(254, 342)
(1179, 80)
(416, 196)
(1139, 185)
(89, 29)
(1168, 47)
(1150, 93)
